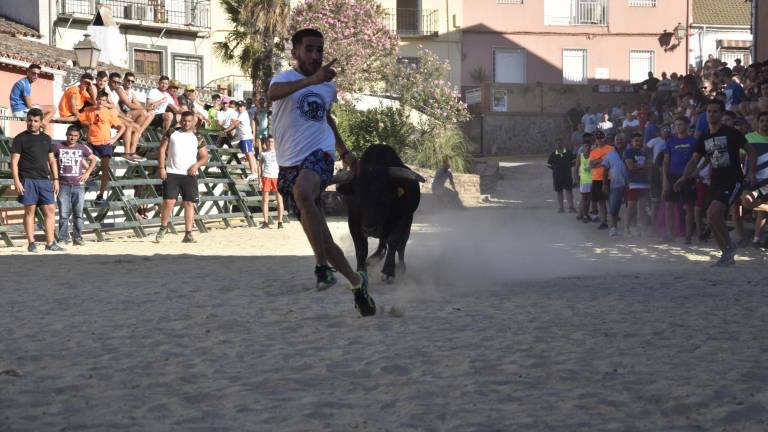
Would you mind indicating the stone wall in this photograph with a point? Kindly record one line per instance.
(504, 134)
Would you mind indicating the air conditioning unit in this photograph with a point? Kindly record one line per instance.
(136, 12)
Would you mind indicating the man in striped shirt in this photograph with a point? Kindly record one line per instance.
(757, 199)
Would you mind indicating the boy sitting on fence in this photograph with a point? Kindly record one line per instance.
(100, 120)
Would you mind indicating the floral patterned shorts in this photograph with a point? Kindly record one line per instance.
(319, 162)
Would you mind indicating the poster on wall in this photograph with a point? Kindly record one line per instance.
(499, 100)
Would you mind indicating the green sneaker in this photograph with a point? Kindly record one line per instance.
(363, 302)
(160, 234)
(325, 277)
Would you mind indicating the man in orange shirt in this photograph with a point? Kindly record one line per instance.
(74, 98)
(599, 150)
(100, 120)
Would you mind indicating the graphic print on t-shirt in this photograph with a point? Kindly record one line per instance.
(312, 107)
(717, 149)
(70, 161)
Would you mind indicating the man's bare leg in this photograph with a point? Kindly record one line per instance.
(189, 215)
(165, 213)
(167, 120)
(313, 222)
(280, 211)
(49, 214)
(265, 206)
(29, 223)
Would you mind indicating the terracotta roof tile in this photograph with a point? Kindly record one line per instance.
(722, 12)
(12, 28)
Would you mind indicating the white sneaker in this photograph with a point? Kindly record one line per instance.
(612, 232)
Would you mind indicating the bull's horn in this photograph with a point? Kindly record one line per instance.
(405, 173)
(341, 177)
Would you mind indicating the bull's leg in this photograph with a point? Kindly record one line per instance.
(403, 240)
(361, 243)
(388, 271)
(379, 253)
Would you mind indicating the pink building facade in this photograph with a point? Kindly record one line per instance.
(613, 42)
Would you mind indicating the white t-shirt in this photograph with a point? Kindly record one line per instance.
(244, 129)
(271, 168)
(590, 122)
(114, 98)
(630, 123)
(225, 117)
(299, 121)
(604, 126)
(156, 95)
(658, 145)
(182, 152)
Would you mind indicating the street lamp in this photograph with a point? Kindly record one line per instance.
(87, 53)
(680, 32)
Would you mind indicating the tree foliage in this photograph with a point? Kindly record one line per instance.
(260, 28)
(355, 33)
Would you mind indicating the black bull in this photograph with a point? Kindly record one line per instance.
(381, 201)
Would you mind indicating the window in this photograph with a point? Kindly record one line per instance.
(642, 3)
(148, 62)
(576, 12)
(410, 62)
(640, 63)
(509, 1)
(730, 55)
(509, 65)
(574, 66)
(188, 69)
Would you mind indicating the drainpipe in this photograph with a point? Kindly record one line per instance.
(687, 35)
(52, 13)
(753, 51)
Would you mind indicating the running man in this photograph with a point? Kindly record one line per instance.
(186, 153)
(306, 135)
(720, 144)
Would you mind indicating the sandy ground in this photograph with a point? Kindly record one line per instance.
(511, 318)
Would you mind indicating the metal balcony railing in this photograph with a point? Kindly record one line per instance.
(413, 22)
(190, 13)
(589, 12)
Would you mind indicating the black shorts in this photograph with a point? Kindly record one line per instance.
(686, 195)
(597, 191)
(561, 184)
(726, 193)
(655, 183)
(157, 121)
(183, 184)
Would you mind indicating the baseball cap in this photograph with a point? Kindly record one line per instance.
(190, 87)
(740, 121)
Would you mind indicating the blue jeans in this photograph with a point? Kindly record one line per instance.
(71, 199)
(615, 199)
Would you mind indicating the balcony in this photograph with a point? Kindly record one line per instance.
(576, 12)
(413, 22)
(590, 12)
(180, 14)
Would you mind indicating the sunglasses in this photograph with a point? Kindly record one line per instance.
(35, 73)
(130, 81)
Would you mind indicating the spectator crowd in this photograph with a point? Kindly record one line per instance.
(107, 112)
(691, 157)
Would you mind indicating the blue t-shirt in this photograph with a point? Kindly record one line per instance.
(734, 94)
(642, 159)
(22, 88)
(680, 151)
(701, 123)
(617, 170)
(651, 132)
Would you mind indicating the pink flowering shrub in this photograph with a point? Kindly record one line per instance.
(356, 33)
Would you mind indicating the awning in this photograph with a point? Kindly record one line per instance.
(730, 43)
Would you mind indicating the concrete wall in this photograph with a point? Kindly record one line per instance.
(522, 133)
(488, 25)
(761, 31)
(447, 44)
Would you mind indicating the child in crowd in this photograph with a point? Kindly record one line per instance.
(71, 156)
(269, 170)
(100, 121)
(584, 174)
(639, 165)
(561, 162)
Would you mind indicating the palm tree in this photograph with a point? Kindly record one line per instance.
(260, 30)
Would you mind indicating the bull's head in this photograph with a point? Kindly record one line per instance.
(376, 190)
